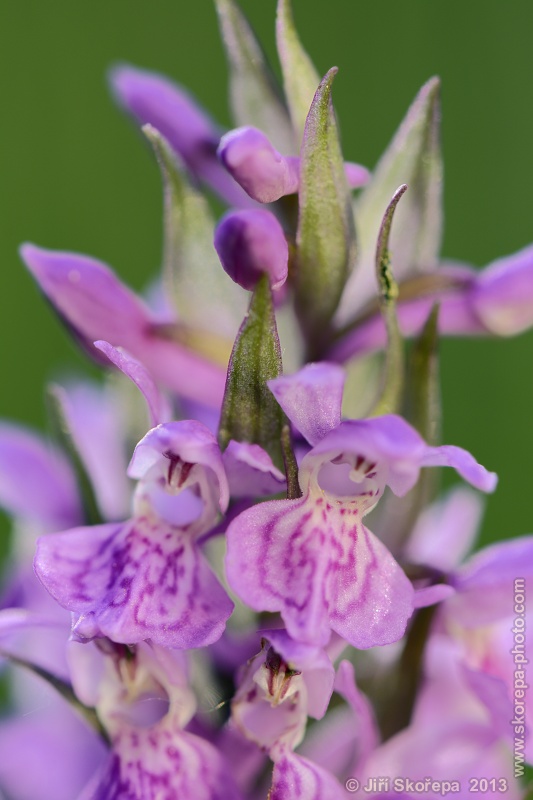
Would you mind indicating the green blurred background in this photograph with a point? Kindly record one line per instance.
(75, 175)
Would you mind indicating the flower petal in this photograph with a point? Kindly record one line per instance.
(365, 722)
(36, 481)
(503, 294)
(257, 166)
(484, 585)
(91, 299)
(314, 664)
(446, 530)
(48, 733)
(140, 376)
(465, 464)
(297, 778)
(263, 172)
(164, 763)
(250, 471)
(155, 100)
(188, 441)
(321, 569)
(134, 581)
(398, 452)
(311, 398)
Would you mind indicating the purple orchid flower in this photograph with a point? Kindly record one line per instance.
(147, 578)
(144, 702)
(155, 100)
(453, 736)
(311, 558)
(278, 689)
(43, 729)
(497, 300)
(265, 174)
(478, 617)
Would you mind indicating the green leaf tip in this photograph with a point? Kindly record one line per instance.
(300, 78)
(255, 96)
(393, 382)
(388, 288)
(325, 240)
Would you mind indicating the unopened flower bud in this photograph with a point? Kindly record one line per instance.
(250, 243)
(257, 166)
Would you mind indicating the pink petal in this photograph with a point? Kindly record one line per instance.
(155, 100)
(250, 471)
(311, 398)
(296, 778)
(134, 581)
(321, 569)
(91, 299)
(140, 376)
(190, 442)
(36, 481)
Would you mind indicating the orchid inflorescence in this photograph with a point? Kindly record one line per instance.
(204, 610)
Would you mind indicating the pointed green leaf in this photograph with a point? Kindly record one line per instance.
(250, 413)
(391, 396)
(207, 301)
(413, 157)
(300, 77)
(325, 238)
(254, 93)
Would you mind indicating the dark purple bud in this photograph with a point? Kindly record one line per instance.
(250, 243)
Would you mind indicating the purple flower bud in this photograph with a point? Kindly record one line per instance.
(249, 243)
(257, 166)
(263, 172)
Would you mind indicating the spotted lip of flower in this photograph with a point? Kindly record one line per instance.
(147, 578)
(312, 559)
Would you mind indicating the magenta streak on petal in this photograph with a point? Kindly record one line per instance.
(297, 778)
(164, 763)
(320, 571)
(134, 581)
